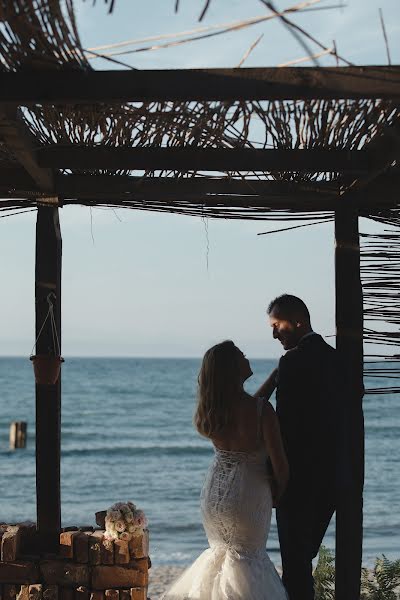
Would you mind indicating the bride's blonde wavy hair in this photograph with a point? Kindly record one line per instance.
(219, 386)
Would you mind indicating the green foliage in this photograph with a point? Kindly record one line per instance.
(383, 582)
(324, 575)
(380, 583)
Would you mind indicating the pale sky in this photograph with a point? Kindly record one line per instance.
(141, 285)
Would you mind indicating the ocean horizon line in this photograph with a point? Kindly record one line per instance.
(132, 356)
(368, 358)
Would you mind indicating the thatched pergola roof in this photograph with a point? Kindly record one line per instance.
(261, 143)
(245, 143)
(281, 143)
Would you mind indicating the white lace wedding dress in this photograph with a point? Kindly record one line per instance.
(236, 505)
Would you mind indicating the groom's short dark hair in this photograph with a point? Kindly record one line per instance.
(289, 306)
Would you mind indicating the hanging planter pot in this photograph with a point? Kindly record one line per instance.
(46, 368)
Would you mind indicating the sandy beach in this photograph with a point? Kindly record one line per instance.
(161, 578)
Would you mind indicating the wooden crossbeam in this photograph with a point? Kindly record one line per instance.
(75, 87)
(298, 203)
(214, 159)
(90, 186)
(104, 189)
(86, 186)
(21, 143)
(383, 150)
(16, 178)
(210, 191)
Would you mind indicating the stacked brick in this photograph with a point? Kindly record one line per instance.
(87, 567)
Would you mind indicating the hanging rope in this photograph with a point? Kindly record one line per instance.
(50, 313)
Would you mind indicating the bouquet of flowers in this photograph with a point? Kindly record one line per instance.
(123, 521)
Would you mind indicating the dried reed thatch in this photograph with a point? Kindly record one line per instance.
(380, 270)
(42, 34)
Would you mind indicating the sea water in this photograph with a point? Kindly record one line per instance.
(127, 434)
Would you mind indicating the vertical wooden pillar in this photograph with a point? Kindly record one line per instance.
(349, 343)
(48, 397)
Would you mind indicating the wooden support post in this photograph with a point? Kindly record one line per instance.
(48, 397)
(349, 343)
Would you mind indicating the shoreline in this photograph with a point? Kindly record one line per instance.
(160, 578)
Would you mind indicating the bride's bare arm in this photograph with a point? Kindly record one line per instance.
(267, 388)
(276, 452)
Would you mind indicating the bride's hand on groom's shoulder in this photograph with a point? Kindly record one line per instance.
(268, 387)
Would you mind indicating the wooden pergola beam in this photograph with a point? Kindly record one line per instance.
(80, 186)
(203, 159)
(383, 192)
(76, 87)
(16, 178)
(383, 150)
(92, 185)
(18, 139)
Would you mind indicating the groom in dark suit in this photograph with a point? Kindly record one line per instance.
(309, 413)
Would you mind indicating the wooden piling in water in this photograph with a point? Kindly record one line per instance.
(18, 434)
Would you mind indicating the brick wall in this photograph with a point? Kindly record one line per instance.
(87, 567)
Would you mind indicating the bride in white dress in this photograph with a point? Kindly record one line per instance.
(239, 491)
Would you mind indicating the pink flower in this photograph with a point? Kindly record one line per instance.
(115, 515)
(119, 526)
(139, 519)
(128, 516)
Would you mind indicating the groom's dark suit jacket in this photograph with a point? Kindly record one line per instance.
(309, 412)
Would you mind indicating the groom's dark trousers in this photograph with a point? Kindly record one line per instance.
(309, 411)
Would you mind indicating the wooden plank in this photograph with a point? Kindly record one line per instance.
(384, 150)
(274, 83)
(126, 190)
(88, 186)
(219, 191)
(203, 159)
(349, 344)
(294, 203)
(18, 139)
(48, 397)
(384, 191)
(16, 178)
